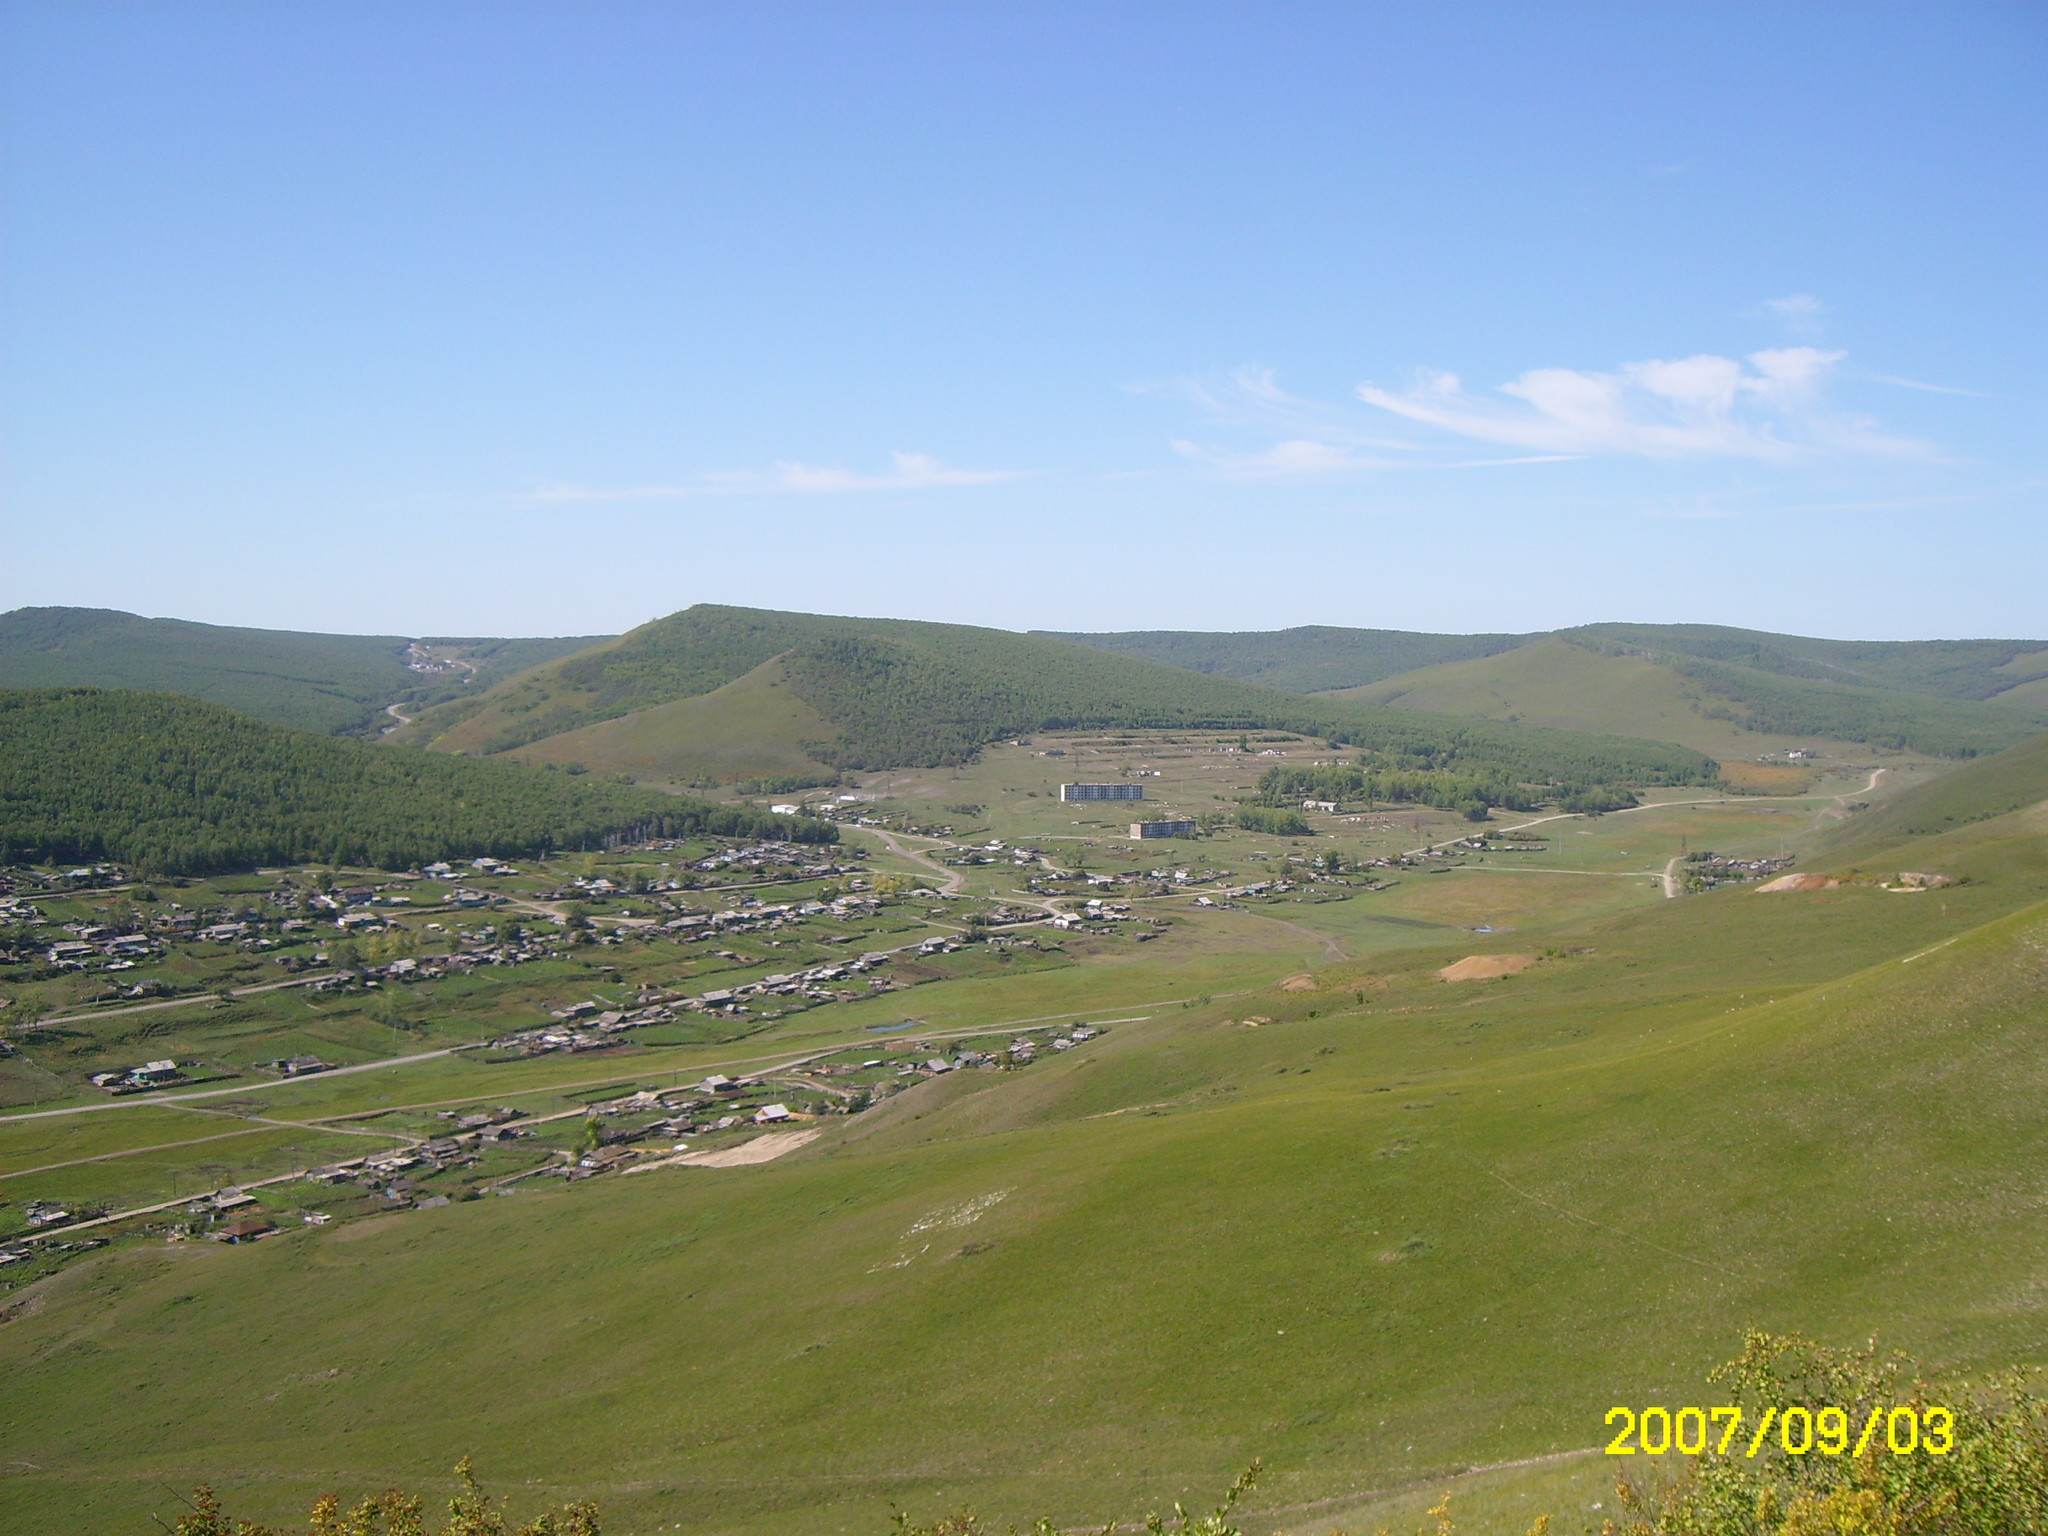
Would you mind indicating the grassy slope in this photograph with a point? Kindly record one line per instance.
(896, 692)
(1728, 711)
(752, 727)
(1553, 682)
(316, 682)
(1954, 669)
(1452, 1225)
(1318, 657)
(1310, 659)
(1984, 791)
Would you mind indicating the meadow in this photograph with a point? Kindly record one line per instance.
(1377, 1228)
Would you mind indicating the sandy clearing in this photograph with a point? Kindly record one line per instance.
(1486, 967)
(1798, 883)
(762, 1149)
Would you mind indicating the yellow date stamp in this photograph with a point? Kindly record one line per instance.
(1797, 1431)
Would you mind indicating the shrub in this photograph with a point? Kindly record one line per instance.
(393, 1513)
(1277, 823)
(1992, 1482)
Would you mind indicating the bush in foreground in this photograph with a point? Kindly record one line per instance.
(392, 1513)
(1993, 1481)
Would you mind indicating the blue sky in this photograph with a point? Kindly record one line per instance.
(551, 318)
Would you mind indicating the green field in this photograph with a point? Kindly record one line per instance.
(1396, 1229)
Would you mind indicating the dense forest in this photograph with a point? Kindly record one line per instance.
(175, 785)
(1371, 781)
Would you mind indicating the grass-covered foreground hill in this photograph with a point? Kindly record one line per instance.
(883, 693)
(313, 681)
(1375, 1227)
(170, 784)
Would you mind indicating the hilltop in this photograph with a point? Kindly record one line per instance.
(317, 682)
(1727, 710)
(1322, 658)
(175, 785)
(846, 693)
(1721, 691)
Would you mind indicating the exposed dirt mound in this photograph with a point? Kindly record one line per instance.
(1302, 983)
(1798, 883)
(1486, 967)
(1913, 880)
(762, 1149)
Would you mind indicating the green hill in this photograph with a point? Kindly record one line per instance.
(1989, 789)
(754, 727)
(176, 785)
(1310, 659)
(1720, 708)
(891, 692)
(1953, 669)
(316, 682)
(1320, 658)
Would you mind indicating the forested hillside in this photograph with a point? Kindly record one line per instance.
(176, 785)
(313, 681)
(900, 693)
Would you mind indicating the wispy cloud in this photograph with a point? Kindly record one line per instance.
(1291, 438)
(909, 472)
(1767, 406)
(1800, 313)
(1921, 384)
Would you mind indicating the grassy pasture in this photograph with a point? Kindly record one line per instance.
(1375, 1244)
(1403, 1228)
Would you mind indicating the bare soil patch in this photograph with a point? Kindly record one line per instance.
(1486, 967)
(1798, 883)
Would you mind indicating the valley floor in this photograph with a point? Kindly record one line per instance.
(1294, 1196)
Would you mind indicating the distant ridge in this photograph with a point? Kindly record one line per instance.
(331, 683)
(1309, 659)
(901, 693)
(1316, 658)
(1703, 685)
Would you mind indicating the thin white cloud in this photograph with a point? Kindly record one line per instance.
(1767, 406)
(910, 472)
(1293, 458)
(1800, 313)
(1921, 384)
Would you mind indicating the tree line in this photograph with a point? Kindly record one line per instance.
(164, 783)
